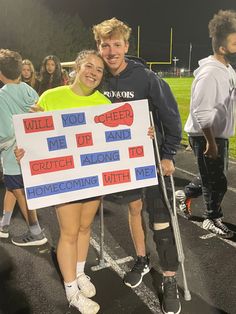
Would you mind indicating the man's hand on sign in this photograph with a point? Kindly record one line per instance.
(19, 153)
(151, 132)
(168, 167)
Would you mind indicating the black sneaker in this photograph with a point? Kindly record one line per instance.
(218, 227)
(170, 302)
(29, 239)
(141, 267)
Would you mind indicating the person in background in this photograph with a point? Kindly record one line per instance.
(1, 174)
(128, 80)
(15, 98)
(9, 203)
(211, 120)
(28, 74)
(75, 218)
(51, 74)
(192, 190)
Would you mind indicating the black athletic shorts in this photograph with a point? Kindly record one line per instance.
(125, 197)
(13, 182)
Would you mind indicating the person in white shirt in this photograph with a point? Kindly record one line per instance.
(211, 120)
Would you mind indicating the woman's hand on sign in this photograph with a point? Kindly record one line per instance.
(36, 108)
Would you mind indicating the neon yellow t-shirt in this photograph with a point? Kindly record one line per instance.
(62, 97)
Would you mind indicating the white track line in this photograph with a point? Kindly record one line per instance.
(142, 291)
(107, 265)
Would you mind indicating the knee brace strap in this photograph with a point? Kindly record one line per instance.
(160, 226)
(166, 249)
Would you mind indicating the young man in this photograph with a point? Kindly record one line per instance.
(15, 98)
(211, 119)
(129, 80)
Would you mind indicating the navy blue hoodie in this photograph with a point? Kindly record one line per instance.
(136, 82)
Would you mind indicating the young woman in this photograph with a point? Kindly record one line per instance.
(75, 218)
(51, 74)
(28, 74)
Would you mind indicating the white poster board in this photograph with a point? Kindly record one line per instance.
(85, 152)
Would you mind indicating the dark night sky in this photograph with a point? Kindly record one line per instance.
(188, 18)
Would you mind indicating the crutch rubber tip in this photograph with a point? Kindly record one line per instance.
(187, 296)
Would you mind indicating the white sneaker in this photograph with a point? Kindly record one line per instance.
(86, 286)
(218, 227)
(4, 231)
(83, 304)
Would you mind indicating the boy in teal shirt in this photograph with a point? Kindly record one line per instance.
(15, 98)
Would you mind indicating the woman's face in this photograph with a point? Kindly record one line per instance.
(26, 71)
(90, 71)
(50, 66)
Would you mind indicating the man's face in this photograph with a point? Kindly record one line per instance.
(113, 52)
(230, 49)
(231, 43)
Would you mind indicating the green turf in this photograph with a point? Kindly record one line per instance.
(181, 88)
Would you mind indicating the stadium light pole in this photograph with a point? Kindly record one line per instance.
(175, 61)
(171, 44)
(190, 57)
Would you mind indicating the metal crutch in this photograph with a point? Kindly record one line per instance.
(173, 215)
(101, 259)
(102, 264)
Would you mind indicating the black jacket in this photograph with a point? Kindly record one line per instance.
(136, 82)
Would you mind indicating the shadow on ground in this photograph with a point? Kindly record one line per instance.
(12, 301)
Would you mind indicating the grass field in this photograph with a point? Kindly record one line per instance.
(181, 88)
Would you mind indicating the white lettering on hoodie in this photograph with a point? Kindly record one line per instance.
(119, 94)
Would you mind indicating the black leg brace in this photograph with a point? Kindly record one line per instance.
(166, 249)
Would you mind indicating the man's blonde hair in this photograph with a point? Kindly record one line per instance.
(109, 28)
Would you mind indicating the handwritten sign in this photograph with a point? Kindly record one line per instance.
(85, 152)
